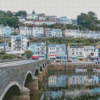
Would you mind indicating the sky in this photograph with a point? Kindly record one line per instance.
(68, 8)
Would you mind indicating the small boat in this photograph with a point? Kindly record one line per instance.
(96, 70)
(80, 70)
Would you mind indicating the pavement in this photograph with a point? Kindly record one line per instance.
(16, 63)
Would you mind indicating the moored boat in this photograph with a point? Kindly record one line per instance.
(80, 70)
(96, 70)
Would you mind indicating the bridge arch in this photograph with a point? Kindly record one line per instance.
(43, 65)
(36, 71)
(14, 85)
(28, 74)
(40, 68)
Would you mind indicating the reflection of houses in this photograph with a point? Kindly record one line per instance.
(82, 80)
(19, 44)
(57, 52)
(76, 51)
(52, 81)
(53, 94)
(57, 81)
(77, 80)
(38, 50)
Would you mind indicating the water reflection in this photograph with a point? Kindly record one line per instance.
(71, 85)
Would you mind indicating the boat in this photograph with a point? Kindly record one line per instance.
(96, 70)
(80, 70)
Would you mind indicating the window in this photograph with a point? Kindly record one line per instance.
(72, 53)
(80, 53)
(72, 49)
(76, 53)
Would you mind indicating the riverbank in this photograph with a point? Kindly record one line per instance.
(71, 66)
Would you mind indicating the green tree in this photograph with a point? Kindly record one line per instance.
(33, 12)
(1, 41)
(7, 56)
(21, 13)
(9, 14)
(28, 53)
(14, 33)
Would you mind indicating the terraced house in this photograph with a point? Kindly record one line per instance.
(38, 32)
(6, 30)
(57, 52)
(75, 52)
(27, 31)
(38, 50)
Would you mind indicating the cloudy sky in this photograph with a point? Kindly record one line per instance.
(69, 8)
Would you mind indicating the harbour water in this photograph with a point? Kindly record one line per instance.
(71, 85)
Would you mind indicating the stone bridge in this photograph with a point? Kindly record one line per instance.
(19, 78)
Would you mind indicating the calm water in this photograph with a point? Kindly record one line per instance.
(66, 85)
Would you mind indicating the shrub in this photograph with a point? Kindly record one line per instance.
(28, 53)
(7, 56)
(2, 52)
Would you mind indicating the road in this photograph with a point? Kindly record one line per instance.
(16, 63)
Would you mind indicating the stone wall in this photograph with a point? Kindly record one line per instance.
(17, 75)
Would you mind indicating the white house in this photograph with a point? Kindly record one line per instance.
(29, 22)
(26, 31)
(46, 22)
(6, 30)
(21, 19)
(75, 52)
(57, 52)
(38, 32)
(56, 33)
(42, 18)
(85, 34)
(38, 50)
(19, 44)
(90, 51)
(3, 46)
(31, 17)
(72, 33)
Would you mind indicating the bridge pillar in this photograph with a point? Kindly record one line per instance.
(43, 69)
(40, 76)
(33, 85)
(23, 95)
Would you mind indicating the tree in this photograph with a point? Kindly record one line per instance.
(33, 12)
(1, 41)
(21, 13)
(9, 14)
(28, 53)
(14, 33)
(92, 15)
(7, 56)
